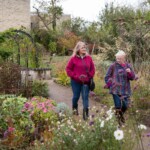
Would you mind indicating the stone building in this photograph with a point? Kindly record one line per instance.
(37, 23)
(14, 14)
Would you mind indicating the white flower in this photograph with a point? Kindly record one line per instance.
(130, 131)
(100, 120)
(141, 126)
(73, 128)
(75, 141)
(102, 124)
(109, 112)
(90, 118)
(109, 117)
(46, 119)
(58, 122)
(69, 122)
(118, 134)
(60, 114)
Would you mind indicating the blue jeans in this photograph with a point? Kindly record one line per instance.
(120, 103)
(79, 88)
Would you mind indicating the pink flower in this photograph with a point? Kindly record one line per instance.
(43, 105)
(31, 113)
(10, 129)
(33, 99)
(27, 105)
(39, 105)
(45, 110)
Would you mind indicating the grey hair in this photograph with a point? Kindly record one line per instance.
(120, 53)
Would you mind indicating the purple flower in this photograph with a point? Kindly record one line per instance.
(148, 135)
(93, 116)
(91, 123)
(6, 133)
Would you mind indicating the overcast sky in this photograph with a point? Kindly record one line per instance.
(89, 9)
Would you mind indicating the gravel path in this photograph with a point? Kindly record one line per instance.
(64, 94)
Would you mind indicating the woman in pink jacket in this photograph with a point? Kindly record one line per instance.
(80, 69)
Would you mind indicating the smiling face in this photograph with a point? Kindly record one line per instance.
(120, 59)
(82, 49)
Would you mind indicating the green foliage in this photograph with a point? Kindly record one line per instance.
(3, 97)
(11, 114)
(52, 12)
(96, 133)
(124, 28)
(21, 120)
(141, 99)
(62, 78)
(58, 65)
(5, 54)
(52, 47)
(41, 111)
(40, 88)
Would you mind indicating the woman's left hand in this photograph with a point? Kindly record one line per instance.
(128, 70)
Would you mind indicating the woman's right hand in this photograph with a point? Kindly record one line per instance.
(83, 77)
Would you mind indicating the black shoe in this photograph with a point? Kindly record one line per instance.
(75, 111)
(120, 117)
(85, 113)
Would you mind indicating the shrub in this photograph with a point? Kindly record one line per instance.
(141, 97)
(42, 112)
(22, 121)
(63, 108)
(10, 78)
(13, 122)
(40, 88)
(63, 79)
(96, 133)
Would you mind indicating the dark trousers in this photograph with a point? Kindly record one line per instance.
(121, 102)
(79, 88)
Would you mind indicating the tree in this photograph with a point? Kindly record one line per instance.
(76, 25)
(48, 12)
(68, 41)
(125, 28)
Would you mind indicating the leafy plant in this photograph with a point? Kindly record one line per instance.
(40, 88)
(13, 122)
(63, 79)
(10, 78)
(99, 132)
(63, 109)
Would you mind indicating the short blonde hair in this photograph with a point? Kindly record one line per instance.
(120, 53)
(78, 47)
